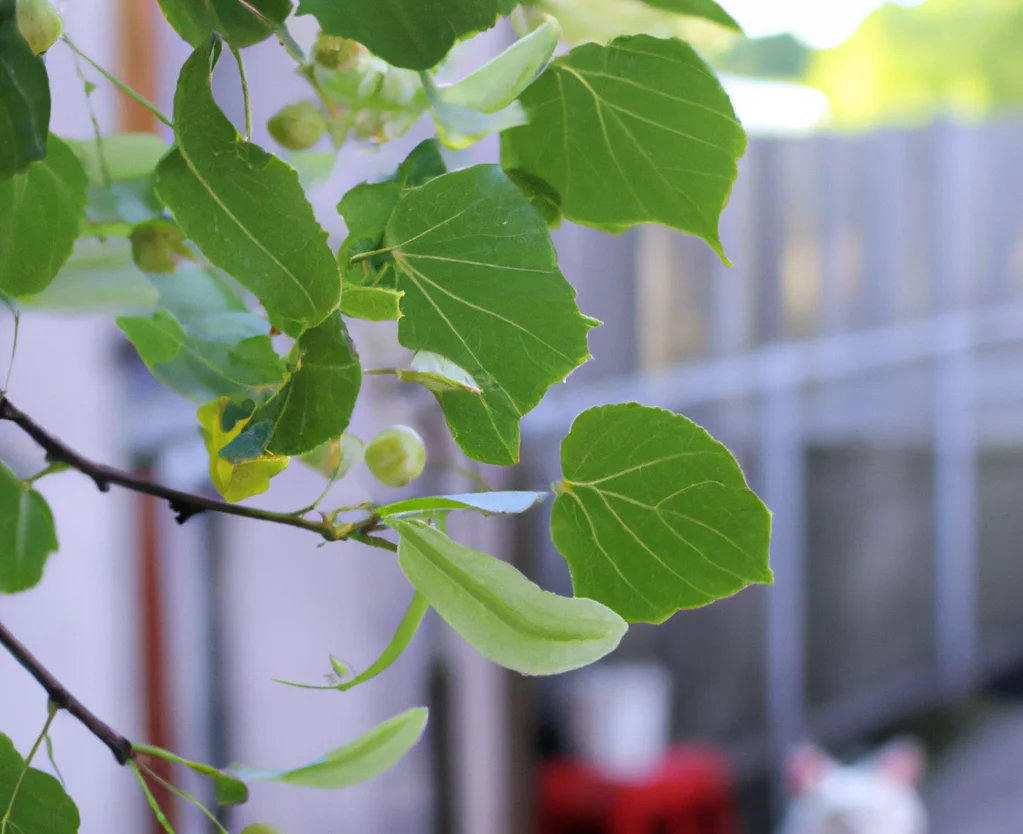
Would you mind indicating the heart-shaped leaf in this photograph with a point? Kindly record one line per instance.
(499, 612)
(654, 514)
(32, 802)
(638, 131)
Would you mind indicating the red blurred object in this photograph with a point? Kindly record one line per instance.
(690, 792)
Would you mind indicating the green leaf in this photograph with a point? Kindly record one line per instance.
(24, 99)
(497, 84)
(498, 611)
(707, 9)
(220, 355)
(99, 277)
(371, 303)
(541, 195)
(406, 33)
(27, 536)
(220, 187)
(488, 503)
(359, 761)
(40, 214)
(482, 288)
(194, 293)
(32, 802)
(221, 425)
(229, 789)
(196, 20)
(639, 131)
(336, 458)
(367, 207)
(407, 629)
(654, 514)
(315, 404)
(259, 828)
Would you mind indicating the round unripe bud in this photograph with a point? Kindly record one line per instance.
(298, 126)
(39, 22)
(334, 53)
(396, 456)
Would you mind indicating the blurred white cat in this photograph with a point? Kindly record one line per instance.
(875, 795)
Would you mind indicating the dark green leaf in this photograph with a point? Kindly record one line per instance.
(367, 207)
(541, 195)
(482, 288)
(359, 761)
(27, 536)
(503, 615)
(196, 20)
(654, 514)
(371, 303)
(229, 789)
(40, 214)
(316, 402)
(220, 189)
(698, 8)
(24, 99)
(225, 354)
(488, 503)
(32, 802)
(99, 277)
(639, 131)
(405, 33)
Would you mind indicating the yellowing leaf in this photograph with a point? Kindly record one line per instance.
(235, 482)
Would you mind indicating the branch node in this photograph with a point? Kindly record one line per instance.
(183, 512)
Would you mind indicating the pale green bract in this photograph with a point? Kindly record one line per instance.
(27, 535)
(359, 761)
(638, 131)
(480, 274)
(498, 611)
(654, 514)
(219, 188)
(228, 788)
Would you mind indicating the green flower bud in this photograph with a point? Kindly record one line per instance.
(298, 126)
(334, 53)
(39, 22)
(396, 456)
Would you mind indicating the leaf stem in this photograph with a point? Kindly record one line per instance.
(157, 810)
(156, 777)
(14, 348)
(52, 469)
(87, 87)
(365, 256)
(51, 713)
(124, 88)
(245, 93)
(60, 698)
(184, 504)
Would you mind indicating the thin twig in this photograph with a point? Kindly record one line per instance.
(245, 93)
(124, 88)
(62, 699)
(184, 504)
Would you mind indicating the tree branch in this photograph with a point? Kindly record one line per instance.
(62, 699)
(184, 504)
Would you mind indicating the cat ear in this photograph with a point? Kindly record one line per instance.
(806, 767)
(902, 760)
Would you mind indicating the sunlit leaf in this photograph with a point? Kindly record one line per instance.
(654, 514)
(315, 404)
(229, 789)
(235, 482)
(639, 131)
(32, 802)
(225, 354)
(488, 503)
(27, 536)
(24, 99)
(406, 33)
(359, 761)
(41, 211)
(220, 189)
(480, 275)
(498, 611)
(459, 127)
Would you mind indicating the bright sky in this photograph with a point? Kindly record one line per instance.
(821, 23)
